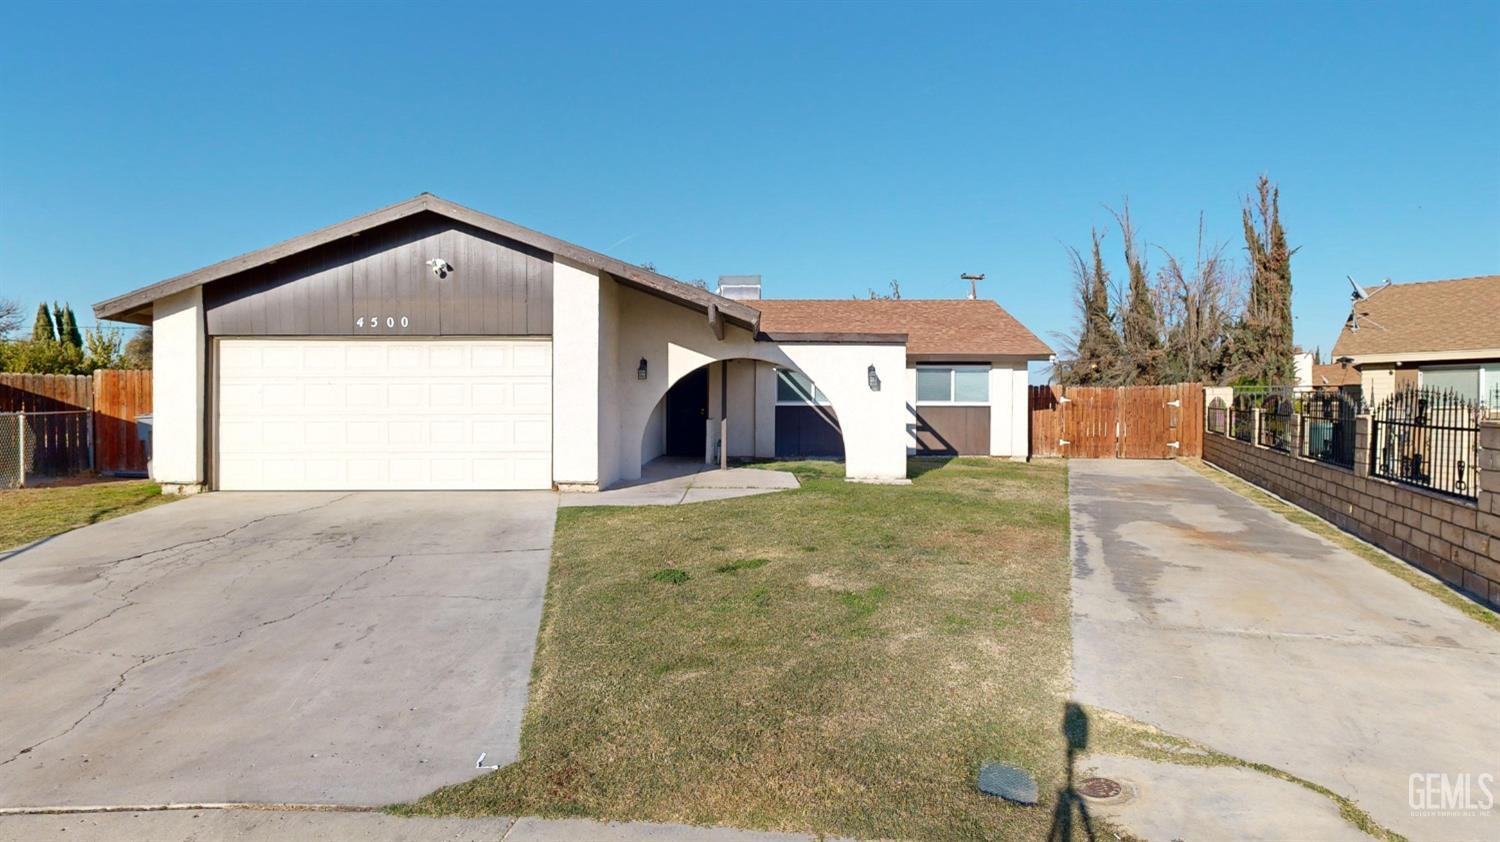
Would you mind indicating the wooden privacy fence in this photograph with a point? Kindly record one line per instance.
(119, 396)
(1125, 422)
(75, 423)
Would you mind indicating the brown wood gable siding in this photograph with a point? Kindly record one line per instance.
(497, 287)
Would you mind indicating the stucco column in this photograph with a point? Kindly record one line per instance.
(873, 420)
(1020, 413)
(575, 376)
(177, 360)
(765, 410)
(1489, 470)
(1361, 445)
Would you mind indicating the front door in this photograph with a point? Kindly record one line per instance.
(687, 408)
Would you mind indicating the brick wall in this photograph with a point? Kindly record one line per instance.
(1457, 541)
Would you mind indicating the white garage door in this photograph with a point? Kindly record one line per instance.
(337, 414)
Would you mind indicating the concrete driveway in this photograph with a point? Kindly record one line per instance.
(277, 648)
(1204, 614)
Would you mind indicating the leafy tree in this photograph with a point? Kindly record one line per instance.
(42, 329)
(102, 348)
(1141, 327)
(1262, 340)
(138, 350)
(46, 356)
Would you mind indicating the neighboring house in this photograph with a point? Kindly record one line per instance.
(1431, 333)
(429, 346)
(1313, 376)
(966, 381)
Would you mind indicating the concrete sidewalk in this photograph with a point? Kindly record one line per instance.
(673, 482)
(235, 825)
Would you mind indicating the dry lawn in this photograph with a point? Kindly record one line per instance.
(28, 514)
(836, 659)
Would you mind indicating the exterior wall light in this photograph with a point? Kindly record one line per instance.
(874, 380)
(640, 370)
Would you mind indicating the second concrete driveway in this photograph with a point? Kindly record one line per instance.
(1202, 613)
(305, 648)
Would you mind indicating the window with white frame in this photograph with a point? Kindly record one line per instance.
(1475, 382)
(965, 384)
(793, 388)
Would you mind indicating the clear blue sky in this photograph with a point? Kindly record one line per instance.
(830, 148)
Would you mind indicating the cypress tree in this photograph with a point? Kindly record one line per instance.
(1263, 349)
(1098, 356)
(67, 328)
(42, 330)
(1141, 325)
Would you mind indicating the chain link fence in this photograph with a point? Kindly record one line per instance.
(15, 457)
(44, 444)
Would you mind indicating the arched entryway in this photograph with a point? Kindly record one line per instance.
(742, 408)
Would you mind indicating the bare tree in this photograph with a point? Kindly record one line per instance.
(1198, 303)
(10, 316)
(1140, 326)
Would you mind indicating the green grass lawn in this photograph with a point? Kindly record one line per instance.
(834, 659)
(27, 514)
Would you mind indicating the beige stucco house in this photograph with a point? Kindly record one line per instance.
(1428, 333)
(426, 345)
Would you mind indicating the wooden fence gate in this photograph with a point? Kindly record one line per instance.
(73, 419)
(1126, 422)
(119, 396)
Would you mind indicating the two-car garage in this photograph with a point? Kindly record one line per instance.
(372, 414)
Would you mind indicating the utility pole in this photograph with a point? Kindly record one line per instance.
(973, 284)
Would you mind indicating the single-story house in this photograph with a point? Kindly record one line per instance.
(426, 345)
(1428, 333)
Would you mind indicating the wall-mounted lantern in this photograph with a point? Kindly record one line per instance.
(640, 370)
(874, 380)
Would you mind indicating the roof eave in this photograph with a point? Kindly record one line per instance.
(130, 306)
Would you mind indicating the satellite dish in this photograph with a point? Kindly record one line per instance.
(1359, 291)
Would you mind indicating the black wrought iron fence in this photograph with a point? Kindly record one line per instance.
(1276, 419)
(1275, 405)
(1428, 438)
(1242, 415)
(1327, 427)
(1218, 416)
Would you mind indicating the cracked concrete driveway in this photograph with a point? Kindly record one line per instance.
(274, 648)
(1202, 613)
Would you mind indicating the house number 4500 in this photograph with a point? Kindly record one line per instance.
(373, 322)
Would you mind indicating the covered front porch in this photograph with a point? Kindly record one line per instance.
(730, 380)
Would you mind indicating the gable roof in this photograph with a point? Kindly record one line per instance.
(1333, 374)
(1457, 315)
(135, 306)
(961, 327)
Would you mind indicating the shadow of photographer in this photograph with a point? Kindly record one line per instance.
(1075, 728)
